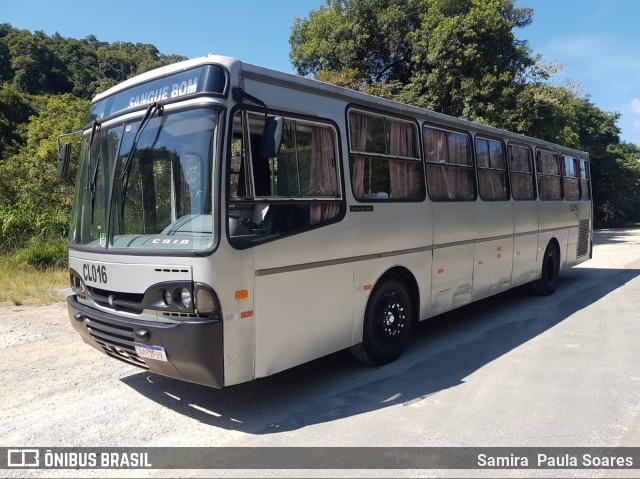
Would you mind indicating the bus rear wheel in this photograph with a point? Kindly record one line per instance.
(546, 284)
(388, 322)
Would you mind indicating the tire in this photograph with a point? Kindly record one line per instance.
(388, 321)
(546, 284)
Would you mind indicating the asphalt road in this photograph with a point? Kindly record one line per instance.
(513, 370)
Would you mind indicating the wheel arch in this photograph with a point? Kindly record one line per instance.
(409, 281)
(554, 241)
(546, 284)
(369, 347)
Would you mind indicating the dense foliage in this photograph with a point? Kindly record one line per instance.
(462, 58)
(46, 83)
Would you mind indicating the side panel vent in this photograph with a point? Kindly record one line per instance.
(583, 237)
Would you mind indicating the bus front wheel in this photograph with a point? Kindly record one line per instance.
(388, 321)
(548, 280)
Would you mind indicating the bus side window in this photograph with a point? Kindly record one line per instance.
(570, 182)
(289, 193)
(521, 171)
(492, 170)
(585, 190)
(549, 175)
(450, 173)
(384, 159)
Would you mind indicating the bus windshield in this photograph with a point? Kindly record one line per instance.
(157, 196)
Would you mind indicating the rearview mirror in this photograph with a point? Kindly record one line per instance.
(64, 154)
(272, 136)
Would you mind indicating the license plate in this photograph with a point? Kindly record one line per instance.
(150, 352)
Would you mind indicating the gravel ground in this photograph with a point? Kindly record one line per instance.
(508, 371)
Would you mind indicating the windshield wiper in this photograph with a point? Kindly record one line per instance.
(92, 186)
(91, 180)
(153, 108)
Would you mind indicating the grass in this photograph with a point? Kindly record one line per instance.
(19, 224)
(21, 284)
(33, 254)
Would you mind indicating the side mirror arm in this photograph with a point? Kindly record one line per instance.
(64, 155)
(273, 125)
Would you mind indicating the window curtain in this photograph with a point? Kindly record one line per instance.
(459, 149)
(358, 134)
(521, 173)
(459, 178)
(405, 183)
(548, 163)
(492, 183)
(322, 177)
(435, 146)
(584, 180)
(520, 159)
(452, 177)
(549, 187)
(571, 189)
(570, 182)
(482, 153)
(522, 186)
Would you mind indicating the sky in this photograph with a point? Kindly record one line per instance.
(596, 41)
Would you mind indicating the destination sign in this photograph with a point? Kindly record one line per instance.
(185, 87)
(204, 79)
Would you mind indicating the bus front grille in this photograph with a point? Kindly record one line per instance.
(583, 237)
(115, 340)
(115, 299)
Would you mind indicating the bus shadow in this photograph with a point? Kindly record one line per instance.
(444, 351)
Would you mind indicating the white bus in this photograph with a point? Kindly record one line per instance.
(231, 221)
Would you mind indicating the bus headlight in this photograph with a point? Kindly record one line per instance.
(181, 299)
(206, 300)
(184, 296)
(168, 297)
(77, 284)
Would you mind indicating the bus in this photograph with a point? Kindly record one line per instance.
(230, 221)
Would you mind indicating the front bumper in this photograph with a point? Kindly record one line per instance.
(194, 348)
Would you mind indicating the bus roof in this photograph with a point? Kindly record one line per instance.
(267, 75)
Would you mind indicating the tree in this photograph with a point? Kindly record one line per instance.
(461, 57)
(6, 73)
(81, 60)
(39, 64)
(15, 110)
(616, 184)
(45, 84)
(30, 176)
(371, 37)
(560, 115)
(35, 64)
(456, 57)
(467, 61)
(36, 68)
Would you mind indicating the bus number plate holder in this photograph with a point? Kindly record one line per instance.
(150, 352)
